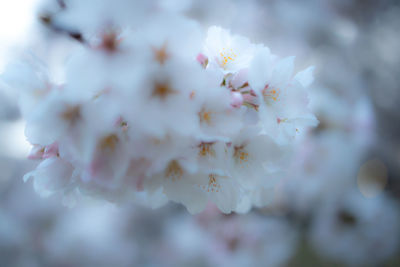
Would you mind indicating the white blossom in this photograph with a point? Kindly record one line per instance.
(284, 103)
(227, 53)
(346, 227)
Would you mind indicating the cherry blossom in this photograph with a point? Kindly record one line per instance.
(151, 108)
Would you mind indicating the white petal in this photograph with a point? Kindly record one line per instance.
(305, 77)
(260, 69)
(283, 71)
(50, 176)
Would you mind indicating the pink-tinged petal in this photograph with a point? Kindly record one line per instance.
(249, 98)
(95, 167)
(92, 170)
(240, 79)
(51, 151)
(139, 183)
(118, 121)
(36, 152)
(210, 212)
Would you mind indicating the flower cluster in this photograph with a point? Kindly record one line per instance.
(154, 111)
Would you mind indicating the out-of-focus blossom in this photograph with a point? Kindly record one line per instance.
(231, 241)
(352, 226)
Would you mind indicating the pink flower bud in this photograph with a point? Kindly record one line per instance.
(236, 99)
(202, 59)
(249, 98)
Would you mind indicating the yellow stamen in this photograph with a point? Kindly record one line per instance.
(213, 185)
(192, 94)
(241, 155)
(161, 54)
(206, 150)
(270, 93)
(205, 116)
(227, 56)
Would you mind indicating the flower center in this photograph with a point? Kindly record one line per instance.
(109, 142)
(270, 94)
(162, 90)
(161, 54)
(206, 150)
(205, 116)
(226, 56)
(174, 171)
(110, 41)
(213, 185)
(240, 155)
(72, 114)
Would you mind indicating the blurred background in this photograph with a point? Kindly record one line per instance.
(338, 205)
